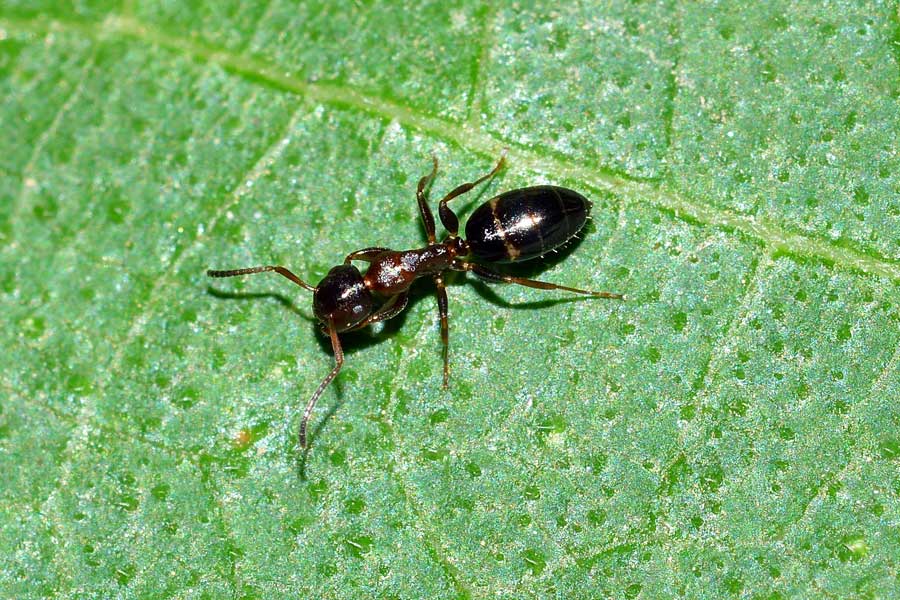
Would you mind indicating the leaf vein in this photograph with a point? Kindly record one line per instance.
(47, 135)
(429, 539)
(877, 388)
(86, 413)
(701, 383)
(672, 84)
(476, 91)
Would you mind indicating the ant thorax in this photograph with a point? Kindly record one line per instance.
(392, 272)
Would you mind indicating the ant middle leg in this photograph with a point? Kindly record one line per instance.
(339, 362)
(280, 270)
(443, 312)
(448, 217)
(491, 275)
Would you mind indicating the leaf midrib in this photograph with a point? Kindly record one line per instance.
(653, 192)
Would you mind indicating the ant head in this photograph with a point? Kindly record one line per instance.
(342, 298)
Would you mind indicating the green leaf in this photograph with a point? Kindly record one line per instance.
(730, 430)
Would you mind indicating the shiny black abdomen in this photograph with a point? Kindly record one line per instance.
(526, 223)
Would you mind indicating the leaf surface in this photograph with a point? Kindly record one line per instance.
(728, 431)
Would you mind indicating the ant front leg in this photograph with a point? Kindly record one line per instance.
(339, 362)
(390, 309)
(490, 275)
(448, 217)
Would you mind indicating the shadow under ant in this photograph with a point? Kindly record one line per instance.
(361, 339)
(529, 270)
(486, 291)
(351, 341)
(281, 299)
(316, 430)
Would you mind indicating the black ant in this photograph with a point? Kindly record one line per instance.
(515, 226)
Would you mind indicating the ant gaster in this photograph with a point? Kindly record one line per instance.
(515, 226)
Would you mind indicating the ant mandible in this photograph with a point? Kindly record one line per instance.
(515, 226)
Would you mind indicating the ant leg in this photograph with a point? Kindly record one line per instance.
(390, 309)
(339, 361)
(490, 275)
(366, 254)
(280, 270)
(448, 217)
(445, 326)
(427, 217)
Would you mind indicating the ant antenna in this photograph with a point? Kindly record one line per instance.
(280, 270)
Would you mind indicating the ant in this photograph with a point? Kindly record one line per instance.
(515, 226)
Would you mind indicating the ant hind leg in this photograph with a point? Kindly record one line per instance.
(424, 210)
(448, 218)
(491, 275)
(443, 312)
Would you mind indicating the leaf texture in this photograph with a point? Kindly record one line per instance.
(730, 430)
